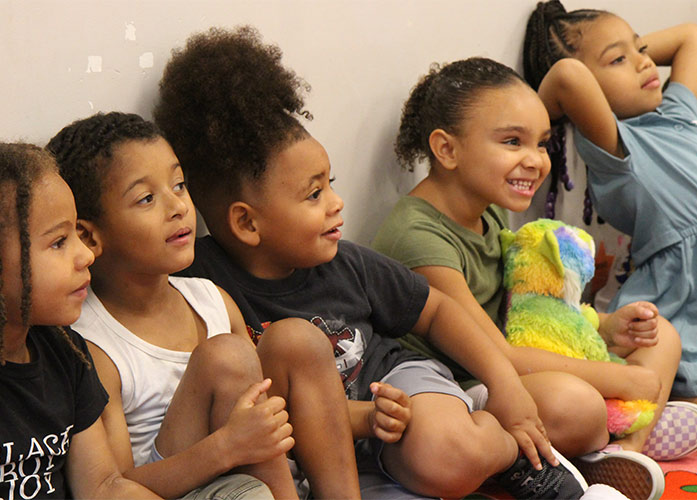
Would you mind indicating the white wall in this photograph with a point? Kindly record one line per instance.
(65, 59)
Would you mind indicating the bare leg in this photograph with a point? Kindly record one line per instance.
(446, 451)
(298, 358)
(219, 371)
(573, 412)
(663, 358)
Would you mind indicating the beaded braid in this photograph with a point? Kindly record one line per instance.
(21, 165)
(552, 33)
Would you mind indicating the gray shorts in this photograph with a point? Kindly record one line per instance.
(426, 375)
(231, 487)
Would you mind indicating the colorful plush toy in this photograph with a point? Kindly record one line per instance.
(546, 267)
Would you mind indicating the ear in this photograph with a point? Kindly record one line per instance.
(443, 147)
(89, 234)
(242, 223)
(549, 247)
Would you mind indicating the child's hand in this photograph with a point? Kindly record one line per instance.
(516, 411)
(260, 429)
(392, 412)
(634, 325)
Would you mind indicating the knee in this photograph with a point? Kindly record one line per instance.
(226, 357)
(451, 462)
(297, 341)
(574, 414)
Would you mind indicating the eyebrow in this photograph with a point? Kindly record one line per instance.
(143, 179)
(519, 129)
(314, 178)
(56, 227)
(617, 44)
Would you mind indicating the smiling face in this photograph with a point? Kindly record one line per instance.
(148, 224)
(618, 59)
(501, 150)
(59, 260)
(297, 213)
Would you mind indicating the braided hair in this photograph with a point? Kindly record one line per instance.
(84, 151)
(226, 105)
(21, 166)
(552, 33)
(441, 99)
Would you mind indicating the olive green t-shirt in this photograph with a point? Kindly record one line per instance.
(417, 234)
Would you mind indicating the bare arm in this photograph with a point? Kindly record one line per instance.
(237, 323)
(612, 380)
(92, 472)
(676, 47)
(452, 330)
(570, 89)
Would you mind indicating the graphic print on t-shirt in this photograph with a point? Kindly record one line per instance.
(28, 474)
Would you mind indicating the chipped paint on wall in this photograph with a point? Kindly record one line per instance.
(130, 32)
(94, 64)
(146, 60)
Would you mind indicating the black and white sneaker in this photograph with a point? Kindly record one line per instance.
(523, 481)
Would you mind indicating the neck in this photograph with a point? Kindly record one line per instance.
(251, 259)
(443, 191)
(135, 293)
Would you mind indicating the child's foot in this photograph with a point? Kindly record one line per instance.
(633, 474)
(675, 433)
(522, 481)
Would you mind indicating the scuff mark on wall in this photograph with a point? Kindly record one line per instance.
(94, 64)
(146, 60)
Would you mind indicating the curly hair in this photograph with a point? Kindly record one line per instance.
(226, 105)
(21, 166)
(441, 100)
(552, 34)
(84, 150)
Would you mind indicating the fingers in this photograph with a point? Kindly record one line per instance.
(534, 443)
(380, 389)
(392, 412)
(250, 397)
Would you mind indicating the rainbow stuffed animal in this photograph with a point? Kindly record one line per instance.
(546, 267)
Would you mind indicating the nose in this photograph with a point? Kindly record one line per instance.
(644, 61)
(335, 204)
(178, 205)
(536, 159)
(83, 256)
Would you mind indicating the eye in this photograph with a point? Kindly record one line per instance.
(544, 144)
(180, 187)
(618, 60)
(512, 141)
(145, 199)
(59, 243)
(643, 49)
(331, 180)
(315, 194)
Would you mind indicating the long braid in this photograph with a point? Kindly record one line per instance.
(551, 34)
(23, 202)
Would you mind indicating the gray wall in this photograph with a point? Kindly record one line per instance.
(66, 59)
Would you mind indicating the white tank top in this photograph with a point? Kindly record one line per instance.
(149, 374)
